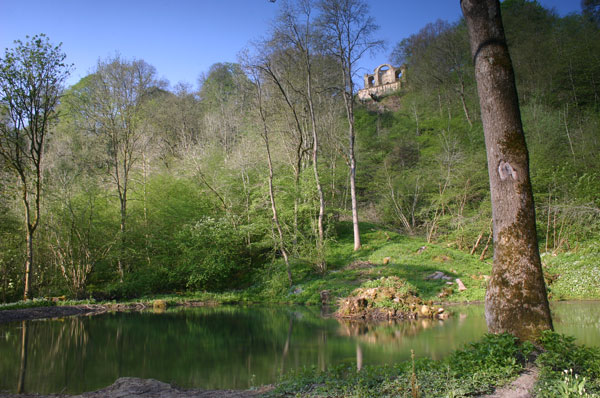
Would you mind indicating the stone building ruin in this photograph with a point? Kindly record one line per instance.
(384, 80)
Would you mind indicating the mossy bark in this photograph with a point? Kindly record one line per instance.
(516, 299)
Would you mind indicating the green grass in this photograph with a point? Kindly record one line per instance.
(576, 273)
(406, 262)
(27, 304)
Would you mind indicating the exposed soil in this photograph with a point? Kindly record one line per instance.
(26, 314)
(149, 388)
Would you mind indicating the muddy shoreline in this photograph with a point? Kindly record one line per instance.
(149, 388)
(26, 314)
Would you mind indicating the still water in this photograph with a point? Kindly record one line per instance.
(231, 347)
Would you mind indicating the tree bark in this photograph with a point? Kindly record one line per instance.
(28, 264)
(516, 300)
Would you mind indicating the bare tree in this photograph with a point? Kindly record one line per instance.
(348, 31)
(295, 31)
(31, 77)
(256, 72)
(516, 299)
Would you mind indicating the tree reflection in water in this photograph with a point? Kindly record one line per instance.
(231, 347)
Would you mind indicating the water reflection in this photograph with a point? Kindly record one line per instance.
(231, 347)
(23, 363)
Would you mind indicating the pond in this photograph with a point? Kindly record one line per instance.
(231, 347)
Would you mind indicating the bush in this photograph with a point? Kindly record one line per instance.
(213, 254)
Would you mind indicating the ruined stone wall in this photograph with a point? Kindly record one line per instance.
(385, 79)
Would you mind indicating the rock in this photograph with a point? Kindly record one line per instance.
(440, 310)
(159, 305)
(435, 275)
(438, 275)
(425, 310)
(324, 297)
(386, 260)
(461, 286)
(421, 249)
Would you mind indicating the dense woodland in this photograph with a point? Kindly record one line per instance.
(148, 188)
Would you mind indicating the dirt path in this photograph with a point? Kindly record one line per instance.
(149, 388)
(520, 388)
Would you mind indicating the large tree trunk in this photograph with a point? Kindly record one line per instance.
(516, 300)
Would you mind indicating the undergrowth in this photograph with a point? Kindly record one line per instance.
(27, 304)
(477, 369)
(566, 370)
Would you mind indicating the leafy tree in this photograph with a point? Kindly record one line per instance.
(591, 10)
(31, 78)
(438, 58)
(111, 103)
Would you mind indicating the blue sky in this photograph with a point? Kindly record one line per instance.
(183, 38)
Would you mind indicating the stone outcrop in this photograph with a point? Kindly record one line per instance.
(387, 298)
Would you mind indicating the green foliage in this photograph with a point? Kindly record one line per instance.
(198, 154)
(567, 369)
(574, 275)
(27, 304)
(212, 254)
(477, 369)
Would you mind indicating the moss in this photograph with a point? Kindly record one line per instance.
(517, 295)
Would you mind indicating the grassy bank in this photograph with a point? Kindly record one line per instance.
(566, 370)
(569, 275)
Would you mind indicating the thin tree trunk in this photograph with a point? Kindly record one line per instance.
(265, 137)
(352, 161)
(274, 209)
(464, 103)
(28, 264)
(321, 237)
(122, 230)
(516, 300)
(146, 225)
(30, 226)
(355, 226)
